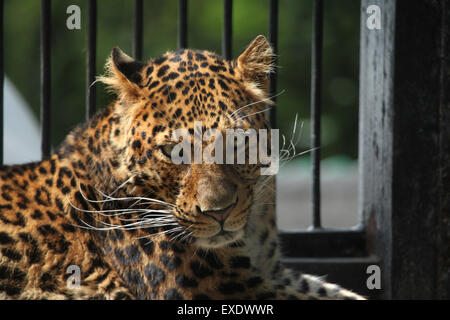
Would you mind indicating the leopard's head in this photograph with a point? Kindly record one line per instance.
(178, 107)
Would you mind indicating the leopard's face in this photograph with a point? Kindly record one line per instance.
(180, 108)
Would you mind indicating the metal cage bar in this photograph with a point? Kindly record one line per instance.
(316, 91)
(45, 77)
(273, 39)
(182, 24)
(91, 58)
(137, 29)
(1, 84)
(227, 29)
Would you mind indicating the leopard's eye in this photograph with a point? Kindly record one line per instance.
(167, 150)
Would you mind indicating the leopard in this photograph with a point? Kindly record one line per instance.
(109, 215)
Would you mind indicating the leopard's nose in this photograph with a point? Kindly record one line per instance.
(219, 215)
(216, 195)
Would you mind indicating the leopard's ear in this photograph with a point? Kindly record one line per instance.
(123, 74)
(257, 61)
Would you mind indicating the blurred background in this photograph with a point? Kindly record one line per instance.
(250, 18)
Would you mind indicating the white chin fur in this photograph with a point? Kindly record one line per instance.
(219, 241)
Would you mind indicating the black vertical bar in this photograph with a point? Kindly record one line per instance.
(45, 77)
(227, 29)
(273, 39)
(137, 29)
(182, 24)
(91, 58)
(316, 76)
(1, 83)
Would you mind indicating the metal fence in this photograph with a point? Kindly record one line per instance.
(341, 254)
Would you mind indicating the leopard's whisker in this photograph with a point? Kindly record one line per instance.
(177, 235)
(122, 211)
(159, 233)
(300, 154)
(162, 219)
(110, 198)
(139, 226)
(181, 233)
(90, 227)
(130, 226)
(252, 114)
(186, 236)
(122, 185)
(137, 198)
(139, 216)
(158, 216)
(256, 102)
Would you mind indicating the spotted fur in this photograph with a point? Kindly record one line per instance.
(111, 202)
